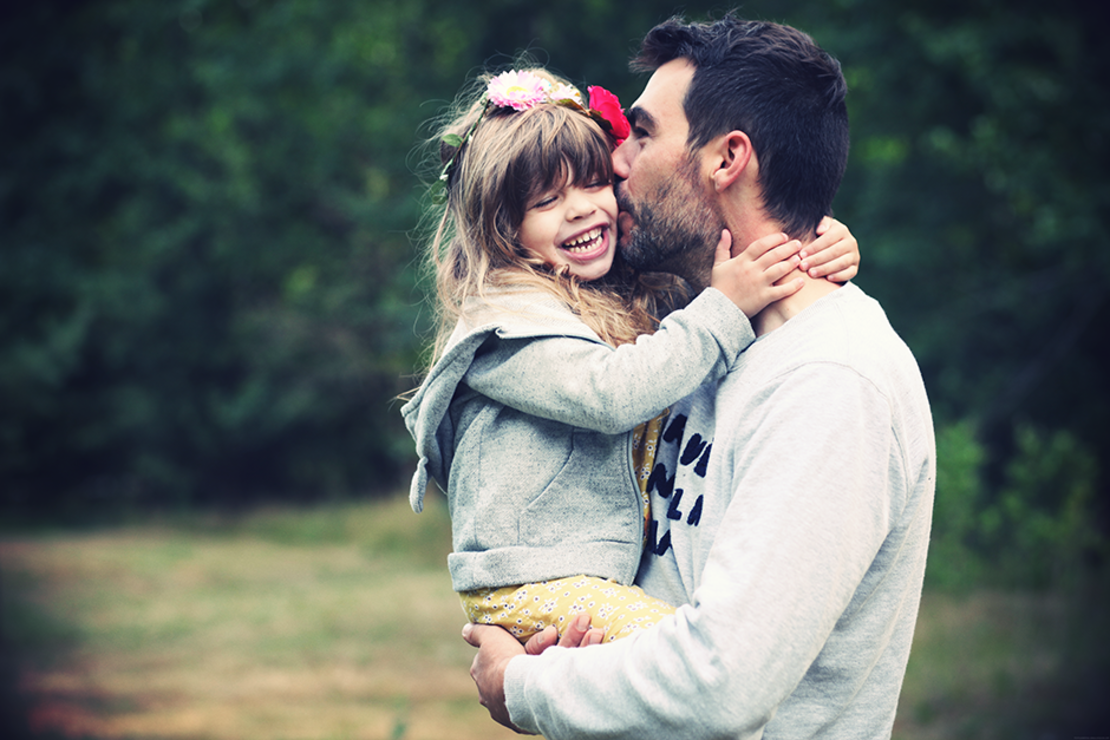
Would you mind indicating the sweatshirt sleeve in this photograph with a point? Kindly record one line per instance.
(791, 548)
(594, 386)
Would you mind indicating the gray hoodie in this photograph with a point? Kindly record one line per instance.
(526, 422)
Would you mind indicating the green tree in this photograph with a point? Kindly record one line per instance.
(208, 212)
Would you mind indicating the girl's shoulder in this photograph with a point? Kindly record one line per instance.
(518, 313)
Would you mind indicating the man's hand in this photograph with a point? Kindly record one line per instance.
(578, 634)
(496, 647)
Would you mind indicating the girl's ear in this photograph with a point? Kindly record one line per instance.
(731, 154)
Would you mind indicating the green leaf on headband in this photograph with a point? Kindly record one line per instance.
(453, 140)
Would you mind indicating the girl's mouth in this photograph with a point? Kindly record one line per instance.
(585, 244)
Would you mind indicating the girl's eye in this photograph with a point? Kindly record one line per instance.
(544, 202)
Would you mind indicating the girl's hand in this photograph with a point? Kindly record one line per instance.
(834, 254)
(749, 278)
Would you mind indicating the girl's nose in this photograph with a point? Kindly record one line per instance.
(579, 204)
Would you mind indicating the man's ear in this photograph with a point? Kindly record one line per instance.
(732, 155)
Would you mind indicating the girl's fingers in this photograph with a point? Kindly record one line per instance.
(842, 264)
(781, 269)
(781, 253)
(789, 288)
(844, 275)
(761, 247)
(724, 248)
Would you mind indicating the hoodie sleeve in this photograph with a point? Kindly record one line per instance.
(610, 390)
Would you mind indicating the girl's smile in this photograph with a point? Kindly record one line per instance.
(573, 226)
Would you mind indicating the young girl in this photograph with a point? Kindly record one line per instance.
(550, 374)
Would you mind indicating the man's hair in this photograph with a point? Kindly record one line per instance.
(776, 85)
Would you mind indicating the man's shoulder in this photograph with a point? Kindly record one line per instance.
(843, 337)
(846, 326)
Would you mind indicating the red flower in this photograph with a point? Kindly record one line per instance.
(606, 105)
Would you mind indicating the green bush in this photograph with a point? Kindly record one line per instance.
(207, 212)
(953, 560)
(1038, 530)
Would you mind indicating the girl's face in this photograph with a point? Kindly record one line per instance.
(573, 226)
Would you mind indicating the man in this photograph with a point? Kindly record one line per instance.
(792, 503)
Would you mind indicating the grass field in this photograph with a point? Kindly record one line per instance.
(339, 622)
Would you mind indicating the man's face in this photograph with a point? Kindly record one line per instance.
(669, 220)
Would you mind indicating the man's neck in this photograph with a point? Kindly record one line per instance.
(748, 223)
(779, 312)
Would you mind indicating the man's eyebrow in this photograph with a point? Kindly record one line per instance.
(640, 117)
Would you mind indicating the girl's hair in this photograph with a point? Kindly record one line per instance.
(508, 160)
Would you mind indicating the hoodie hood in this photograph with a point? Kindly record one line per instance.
(504, 314)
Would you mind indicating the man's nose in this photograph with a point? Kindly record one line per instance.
(621, 161)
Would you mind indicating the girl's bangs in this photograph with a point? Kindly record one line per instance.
(575, 146)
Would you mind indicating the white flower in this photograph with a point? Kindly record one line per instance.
(517, 90)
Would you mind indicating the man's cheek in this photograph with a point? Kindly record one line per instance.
(625, 223)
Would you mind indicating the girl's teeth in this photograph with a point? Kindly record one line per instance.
(585, 242)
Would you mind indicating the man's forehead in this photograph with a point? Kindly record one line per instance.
(662, 98)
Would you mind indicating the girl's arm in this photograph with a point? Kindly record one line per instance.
(586, 383)
(591, 385)
(834, 254)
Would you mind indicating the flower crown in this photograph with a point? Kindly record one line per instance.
(523, 90)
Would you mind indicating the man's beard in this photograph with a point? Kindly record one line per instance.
(675, 230)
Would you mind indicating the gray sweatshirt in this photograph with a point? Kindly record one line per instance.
(525, 423)
(791, 518)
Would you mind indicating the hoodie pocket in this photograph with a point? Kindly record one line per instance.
(589, 499)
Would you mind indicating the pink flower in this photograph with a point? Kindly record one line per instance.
(517, 90)
(606, 105)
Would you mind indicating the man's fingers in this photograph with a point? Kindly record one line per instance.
(476, 634)
(541, 641)
(577, 629)
(578, 634)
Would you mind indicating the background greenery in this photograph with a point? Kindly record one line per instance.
(208, 238)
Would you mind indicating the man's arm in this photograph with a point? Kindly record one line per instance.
(808, 515)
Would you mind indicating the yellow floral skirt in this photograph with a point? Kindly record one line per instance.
(528, 609)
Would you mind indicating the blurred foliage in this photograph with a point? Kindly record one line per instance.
(1037, 531)
(208, 236)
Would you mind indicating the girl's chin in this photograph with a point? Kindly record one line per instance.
(591, 270)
